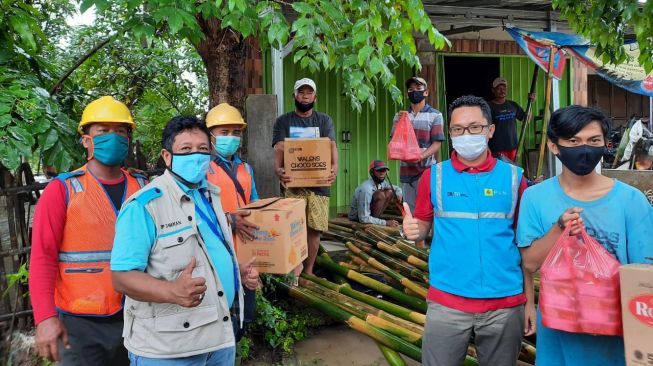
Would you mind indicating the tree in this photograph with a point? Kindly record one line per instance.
(30, 121)
(606, 24)
(156, 80)
(362, 40)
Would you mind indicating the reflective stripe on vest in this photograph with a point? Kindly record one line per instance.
(83, 257)
(229, 196)
(439, 212)
(83, 284)
(477, 256)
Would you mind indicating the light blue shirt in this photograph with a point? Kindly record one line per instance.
(136, 234)
(622, 221)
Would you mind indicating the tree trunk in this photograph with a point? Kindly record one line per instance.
(224, 53)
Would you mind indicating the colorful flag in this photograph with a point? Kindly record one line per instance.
(629, 75)
(538, 48)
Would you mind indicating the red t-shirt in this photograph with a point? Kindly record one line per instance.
(424, 212)
(47, 232)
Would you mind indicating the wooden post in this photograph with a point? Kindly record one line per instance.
(529, 114)
(547, 111)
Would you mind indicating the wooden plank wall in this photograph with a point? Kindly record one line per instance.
(484, 46)
(579, 82)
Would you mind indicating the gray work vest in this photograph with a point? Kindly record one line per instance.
(159, 330)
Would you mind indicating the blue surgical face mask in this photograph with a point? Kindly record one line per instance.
(226, 146)
(110, 149)
(191, 167)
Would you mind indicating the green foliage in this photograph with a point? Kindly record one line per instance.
(18, 278)
(31, 122)
(283, 323)
(157, 80)
(606, 22)
(362, 40)
(244, 347)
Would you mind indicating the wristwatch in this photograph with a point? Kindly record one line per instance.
(560, 223)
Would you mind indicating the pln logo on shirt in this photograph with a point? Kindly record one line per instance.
(489, 192)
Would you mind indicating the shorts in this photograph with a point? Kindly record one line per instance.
(317, 207)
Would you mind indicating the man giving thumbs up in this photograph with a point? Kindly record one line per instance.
(477, 285)
(173, 258)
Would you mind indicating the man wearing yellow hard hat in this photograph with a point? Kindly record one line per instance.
(236, 181)
(77, 312)
(234, 176)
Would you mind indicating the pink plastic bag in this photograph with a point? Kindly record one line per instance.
(403, 145)
(579, 287)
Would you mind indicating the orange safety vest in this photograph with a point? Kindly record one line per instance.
(231, 199)
(84, 285)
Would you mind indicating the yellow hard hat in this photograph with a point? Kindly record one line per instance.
(106, 110)
(224, 114)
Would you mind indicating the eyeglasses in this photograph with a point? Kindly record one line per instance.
(473, 130)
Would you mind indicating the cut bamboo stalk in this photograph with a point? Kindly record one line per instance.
(527, 353)
(392, 356)
(412, 302)
(395, 329)
(407, 270)
(335, 227)
(364, 237)
(349, 266)
(355, 323)
(337, 297)
(382, 235)
(389, 280)
(371, 319)
(409, 258)
(385, 269)
(408, 291)
(386, 306)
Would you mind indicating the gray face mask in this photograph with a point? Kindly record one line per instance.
(469, 147)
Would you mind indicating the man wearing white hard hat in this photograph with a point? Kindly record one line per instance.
(305, 122)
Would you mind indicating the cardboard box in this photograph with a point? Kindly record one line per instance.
(307, 161)
(280, 244)
(637, 312)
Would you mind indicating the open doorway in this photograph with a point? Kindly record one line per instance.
(470, 75)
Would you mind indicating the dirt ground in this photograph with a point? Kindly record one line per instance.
(336, 345)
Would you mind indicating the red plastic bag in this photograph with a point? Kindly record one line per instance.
(403, 145)
(579, 287)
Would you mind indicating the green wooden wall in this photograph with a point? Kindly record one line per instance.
(370, 129)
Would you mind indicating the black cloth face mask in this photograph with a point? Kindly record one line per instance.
(416, 96)
(303, 107)
(581, 160)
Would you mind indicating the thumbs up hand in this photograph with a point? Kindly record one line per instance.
(410, 224)
(187, 290)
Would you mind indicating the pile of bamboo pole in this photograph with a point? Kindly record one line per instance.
(395, 322)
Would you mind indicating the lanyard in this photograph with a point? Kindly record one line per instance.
(211, 222)
(214, 225)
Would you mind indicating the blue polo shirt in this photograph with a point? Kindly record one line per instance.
(136, 234)
(622, 221)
